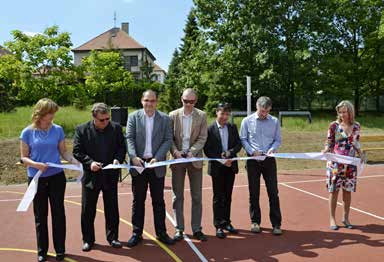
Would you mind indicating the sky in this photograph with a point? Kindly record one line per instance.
(156, 24)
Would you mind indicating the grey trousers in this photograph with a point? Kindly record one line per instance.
(195, 180)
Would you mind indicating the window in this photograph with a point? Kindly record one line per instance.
(155, 77)
(134, 60)
(129, 61)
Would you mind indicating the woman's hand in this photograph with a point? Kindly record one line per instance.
(325, 150)
(363, 157)
(41, 166)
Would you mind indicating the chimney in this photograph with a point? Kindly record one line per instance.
(125, 27)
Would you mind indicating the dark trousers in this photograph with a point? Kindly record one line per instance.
(223, 179)
(267, 168)
(50, 189)
(111, 210)
(139, 189)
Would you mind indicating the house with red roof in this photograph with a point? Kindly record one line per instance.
(134, 54)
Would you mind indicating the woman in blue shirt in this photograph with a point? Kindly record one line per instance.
(40, 143)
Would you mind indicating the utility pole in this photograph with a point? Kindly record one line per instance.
(249, 96)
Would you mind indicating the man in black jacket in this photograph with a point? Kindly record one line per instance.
(223, 142)
(98, 143)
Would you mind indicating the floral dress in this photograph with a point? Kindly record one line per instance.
(341, 175)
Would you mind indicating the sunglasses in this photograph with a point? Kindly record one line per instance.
(189, 101)
(104, 119)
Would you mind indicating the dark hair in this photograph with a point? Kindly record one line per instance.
(225, 107)
(99, 108)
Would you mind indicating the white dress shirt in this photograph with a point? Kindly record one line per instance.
(223, 130)
(148, 135)
(186, 126)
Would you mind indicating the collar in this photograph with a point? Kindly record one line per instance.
(146, 115)
(97, 129)
(267, 118)
(219, 126)
(184, 115)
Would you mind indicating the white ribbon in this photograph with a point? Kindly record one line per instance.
(29, 195)
(32, 188)
(124, 166)
(311, 156)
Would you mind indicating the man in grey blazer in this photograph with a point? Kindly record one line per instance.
(189, 136)
(149, 138)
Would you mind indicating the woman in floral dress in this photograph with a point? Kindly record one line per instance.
(343, 139)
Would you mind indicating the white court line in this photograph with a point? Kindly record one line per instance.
(188, 240)
(340, 204)
(204, 188)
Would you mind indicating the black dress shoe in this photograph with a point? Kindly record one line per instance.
(200, 236)
(220, 233)
(179, 235)
(163, 237)
(60, 256)
(231, 229)
(116, 244)
(42, 258)
(134, 240)
(87, 246)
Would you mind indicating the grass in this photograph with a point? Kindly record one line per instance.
(297, 136)
(13, 123)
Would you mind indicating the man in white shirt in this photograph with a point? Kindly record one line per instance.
(149, 138)
(189, 136)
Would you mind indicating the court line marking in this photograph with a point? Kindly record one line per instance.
(187, 189)
(163, 246)
(188, 240)
(150, 236)
(33, 251)
(339, 203)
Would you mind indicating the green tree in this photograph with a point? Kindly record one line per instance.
(10, 70)
(47, 65)
(106, 78)
(169, 98)
(353, 25)
(195, 52)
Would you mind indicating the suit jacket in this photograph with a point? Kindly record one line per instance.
(161, 138)
(198, 133)
(213, 147)
(91, 145)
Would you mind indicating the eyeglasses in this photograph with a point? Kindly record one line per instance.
(104, 119)
(186, 101)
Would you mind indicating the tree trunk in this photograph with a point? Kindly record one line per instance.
(357, 101)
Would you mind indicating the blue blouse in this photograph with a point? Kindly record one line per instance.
(43, 147)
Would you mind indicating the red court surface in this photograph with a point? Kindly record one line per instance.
(304, 207)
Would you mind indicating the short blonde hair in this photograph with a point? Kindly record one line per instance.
(350, 109)
(43, 107)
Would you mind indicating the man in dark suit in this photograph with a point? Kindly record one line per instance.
(223, 142)
(149, 138)
(97, 143)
